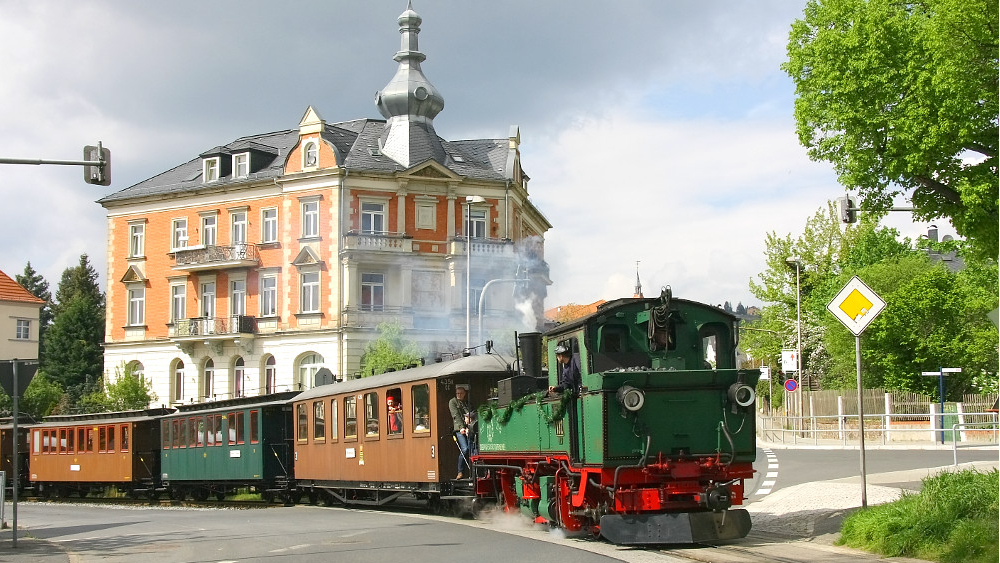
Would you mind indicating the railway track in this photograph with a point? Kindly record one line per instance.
(144, 502)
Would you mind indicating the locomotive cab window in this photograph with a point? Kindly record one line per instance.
(420, 402)
(715, 348)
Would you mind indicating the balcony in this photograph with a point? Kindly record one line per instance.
(213, 257)
(500, 248)
(214, 332)
(383, 241)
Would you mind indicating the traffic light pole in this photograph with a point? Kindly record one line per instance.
(95, 171)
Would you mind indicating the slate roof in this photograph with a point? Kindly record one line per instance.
(10, 290)
(356, 143)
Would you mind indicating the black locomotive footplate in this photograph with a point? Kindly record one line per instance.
(684, 527)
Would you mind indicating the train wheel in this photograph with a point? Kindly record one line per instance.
(153, 495)
(178, 494)
(200, 495)
(220, 495)
(313, 497)
(436, 505)
(267, 496)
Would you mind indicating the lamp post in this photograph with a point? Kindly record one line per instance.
(797, 262)
(469, 200)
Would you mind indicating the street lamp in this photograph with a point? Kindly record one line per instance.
(469, 200)
(797, 262)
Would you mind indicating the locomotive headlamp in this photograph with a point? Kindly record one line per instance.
(630, 398)
(741, 394)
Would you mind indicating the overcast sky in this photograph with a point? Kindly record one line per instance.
(652, 131)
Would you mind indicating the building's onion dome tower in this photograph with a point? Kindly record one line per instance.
(409, 102)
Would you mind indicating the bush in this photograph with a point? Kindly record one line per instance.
(954, 518)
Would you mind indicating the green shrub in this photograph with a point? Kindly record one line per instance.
(954, 518)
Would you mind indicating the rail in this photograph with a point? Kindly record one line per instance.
(886, 429)
(954, 434)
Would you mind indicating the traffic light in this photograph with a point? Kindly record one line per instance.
(848, 209)
(99, 174)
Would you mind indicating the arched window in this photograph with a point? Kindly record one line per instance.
(177, 381)
(270, 374)
(308, 367)
(310, 155)
(238, 373)
(136, 369)
(209, 378)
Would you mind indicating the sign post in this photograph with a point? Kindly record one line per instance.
(940, 375)
(856, 306)
(15, 388)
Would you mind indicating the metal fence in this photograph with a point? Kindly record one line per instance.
(973, 428)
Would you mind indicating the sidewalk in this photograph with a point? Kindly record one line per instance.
(29, 549)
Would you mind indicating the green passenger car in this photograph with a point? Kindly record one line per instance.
(218, 447)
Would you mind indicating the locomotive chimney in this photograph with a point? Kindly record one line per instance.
(531, 353)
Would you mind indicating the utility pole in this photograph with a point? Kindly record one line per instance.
(96, 164)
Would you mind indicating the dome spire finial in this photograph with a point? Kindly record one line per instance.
(409, 102)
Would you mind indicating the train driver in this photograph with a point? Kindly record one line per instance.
(461, 413)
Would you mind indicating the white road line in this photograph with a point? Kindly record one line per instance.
(771, 474)
(763, 491)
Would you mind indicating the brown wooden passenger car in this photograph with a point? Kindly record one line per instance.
(345, 447)
(75, 453)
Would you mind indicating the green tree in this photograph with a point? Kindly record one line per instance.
(39, 400)
(389, 351)
(128, 391)
(79, 280)
(902, 96)
(37, 286)
(73, 347)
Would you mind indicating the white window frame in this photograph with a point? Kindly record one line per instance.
(239, 372)
(210, 169)
(238, 297)
(209, 230)
(310, 218)
(477, 220)
(178, 379)
(269, 224)
(241, 165)
(309, 293)
(375, 282)
(269, 295)
(23, 329)
(137, 240)
(376, 212)
(238, 230)
(178, 302)
(136, 304)
(208, 378)
(310, 154)
(207, 295)
(270, 374)
(179, 236)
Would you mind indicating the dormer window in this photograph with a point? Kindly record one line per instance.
(210, 170)
(310, 155)
(241, 165)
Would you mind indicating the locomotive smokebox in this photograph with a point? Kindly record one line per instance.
(531, 353)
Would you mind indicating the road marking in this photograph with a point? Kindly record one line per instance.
(292, 548)
(771, 477)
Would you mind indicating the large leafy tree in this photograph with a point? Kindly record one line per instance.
(390, 351)
(901, 97)
(126, 391)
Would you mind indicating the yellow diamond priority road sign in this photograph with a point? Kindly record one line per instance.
(856, 305)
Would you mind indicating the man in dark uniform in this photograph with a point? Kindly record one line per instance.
(569, 378)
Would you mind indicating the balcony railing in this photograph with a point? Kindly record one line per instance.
(483, 247)
(214, 257)
(383, 241)
(214, 326)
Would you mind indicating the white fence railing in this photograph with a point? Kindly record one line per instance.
(882, 428)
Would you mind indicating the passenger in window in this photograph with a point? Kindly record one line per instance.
(423, 420)
(395, 415)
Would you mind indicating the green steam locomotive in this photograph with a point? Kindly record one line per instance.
(653, 443)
